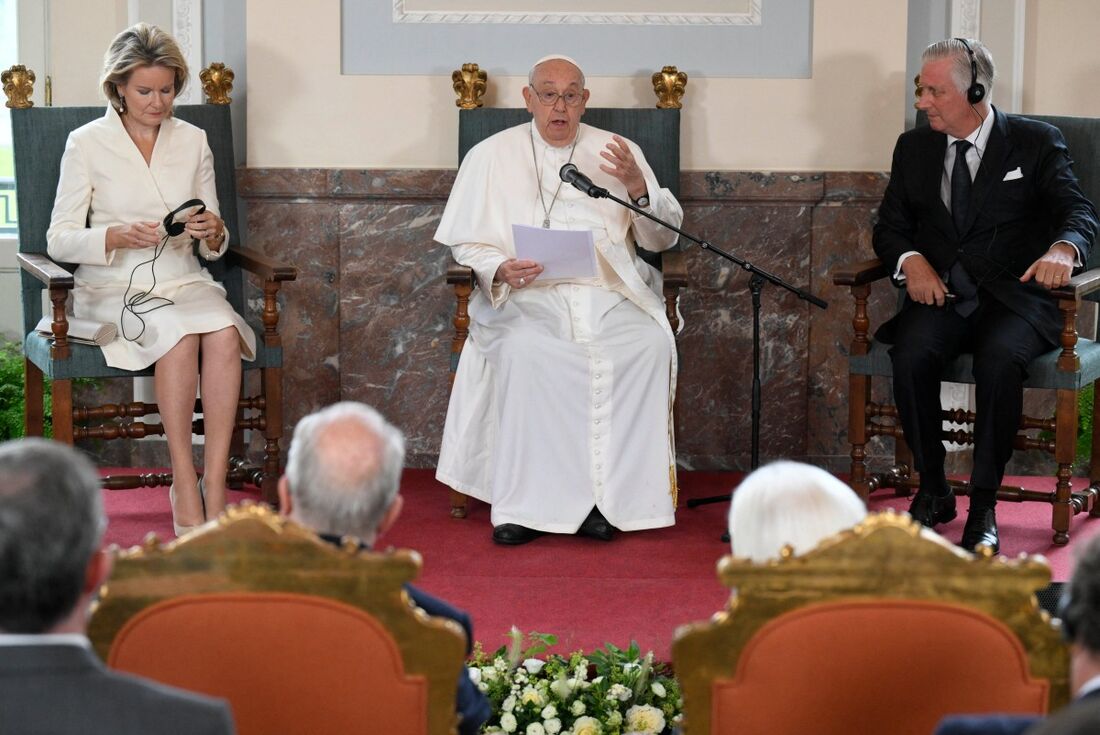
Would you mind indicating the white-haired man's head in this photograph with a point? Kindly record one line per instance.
(789, 503)
(343, 471)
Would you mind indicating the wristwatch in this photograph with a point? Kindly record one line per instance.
(642, 201)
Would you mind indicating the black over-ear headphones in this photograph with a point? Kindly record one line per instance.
(174, 228)
(1066, 615)
(975, 93)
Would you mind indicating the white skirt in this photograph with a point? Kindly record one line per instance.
(561, 403)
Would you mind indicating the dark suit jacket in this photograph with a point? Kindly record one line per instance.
(61, 689)
(1079, 717)
(986, 724)
(1011, 223)
(470, 702)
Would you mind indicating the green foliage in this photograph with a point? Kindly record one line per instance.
(1084, 426)
(11, 392)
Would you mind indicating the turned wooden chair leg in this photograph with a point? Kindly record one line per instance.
(273, 430)
(458, 504)
(1065, 450)
(33, 392)
(859, 392)
(62, 412)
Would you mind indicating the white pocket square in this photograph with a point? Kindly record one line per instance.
(1014, 174)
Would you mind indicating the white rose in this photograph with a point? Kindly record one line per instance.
(619, 692)
(643, 718)
(553, 726)
(549, 711)
(536, 729)
(533, 665)
(577, 708)
(587, 726)
(508, 722)
(488, 673)
(475, 674)
(533, 696)
(508, 704)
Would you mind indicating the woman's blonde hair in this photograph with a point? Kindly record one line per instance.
(137, 46)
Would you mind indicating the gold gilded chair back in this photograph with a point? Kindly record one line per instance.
(886, 627)
(298, 634)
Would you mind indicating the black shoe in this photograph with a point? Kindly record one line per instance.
(513, 534)
(981, 528)
(928, 509)
(596, 526)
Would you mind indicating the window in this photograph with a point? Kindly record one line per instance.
(9, 53)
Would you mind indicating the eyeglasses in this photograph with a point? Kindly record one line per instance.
(571, 99)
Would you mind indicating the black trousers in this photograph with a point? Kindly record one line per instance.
(926, 339)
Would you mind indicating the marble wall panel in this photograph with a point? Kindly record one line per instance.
(370, 318)
(715, 390)
(395, 318)
(305, 233)
(842, 224)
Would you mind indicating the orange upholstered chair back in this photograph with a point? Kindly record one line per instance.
(883, 628)
(874, 666)
(290, 664)
(300, 635)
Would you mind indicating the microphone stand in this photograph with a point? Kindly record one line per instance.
(756, 284)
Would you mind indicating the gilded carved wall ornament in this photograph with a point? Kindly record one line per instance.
(470, 83)
(669, 86)
(217, 83)
(18, 85)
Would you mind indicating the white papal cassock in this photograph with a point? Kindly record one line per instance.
(563, 396)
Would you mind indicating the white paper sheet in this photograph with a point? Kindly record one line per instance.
(561, 253)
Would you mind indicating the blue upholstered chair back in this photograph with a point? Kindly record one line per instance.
(39, 135)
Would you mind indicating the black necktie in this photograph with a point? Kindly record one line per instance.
(960, 186)
(959, 281)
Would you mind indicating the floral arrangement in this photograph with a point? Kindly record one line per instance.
(612, 691)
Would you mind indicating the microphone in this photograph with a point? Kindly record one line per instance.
(570, 174)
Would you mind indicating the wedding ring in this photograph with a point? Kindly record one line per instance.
(522, 281)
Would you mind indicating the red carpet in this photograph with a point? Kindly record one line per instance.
(640, 586)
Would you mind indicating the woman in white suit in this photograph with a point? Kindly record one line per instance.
(120, 176)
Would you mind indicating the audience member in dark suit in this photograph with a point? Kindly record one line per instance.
(1080, 614)
(983, 206)
(342, 475)
(51, 564)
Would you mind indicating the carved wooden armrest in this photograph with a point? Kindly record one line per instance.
(1080, 285)
(859, 274)
(60, 282)
(256, 262)
(274, 272)
(461, 275)
(45, 270)
(674, 268)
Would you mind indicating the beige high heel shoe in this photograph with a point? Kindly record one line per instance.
(179, 528)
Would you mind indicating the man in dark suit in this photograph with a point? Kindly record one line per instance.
(981, 217)
(51, 565)
(342, 474)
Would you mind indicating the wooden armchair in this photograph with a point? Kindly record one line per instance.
(39, 136)
(883, 628)
(655, 130)
(299, 635)
(1066, 371)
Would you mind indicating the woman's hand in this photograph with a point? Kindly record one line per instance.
(518, 273)
(136, 235)
(206, 226)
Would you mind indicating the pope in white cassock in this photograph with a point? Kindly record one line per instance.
(561, 412)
